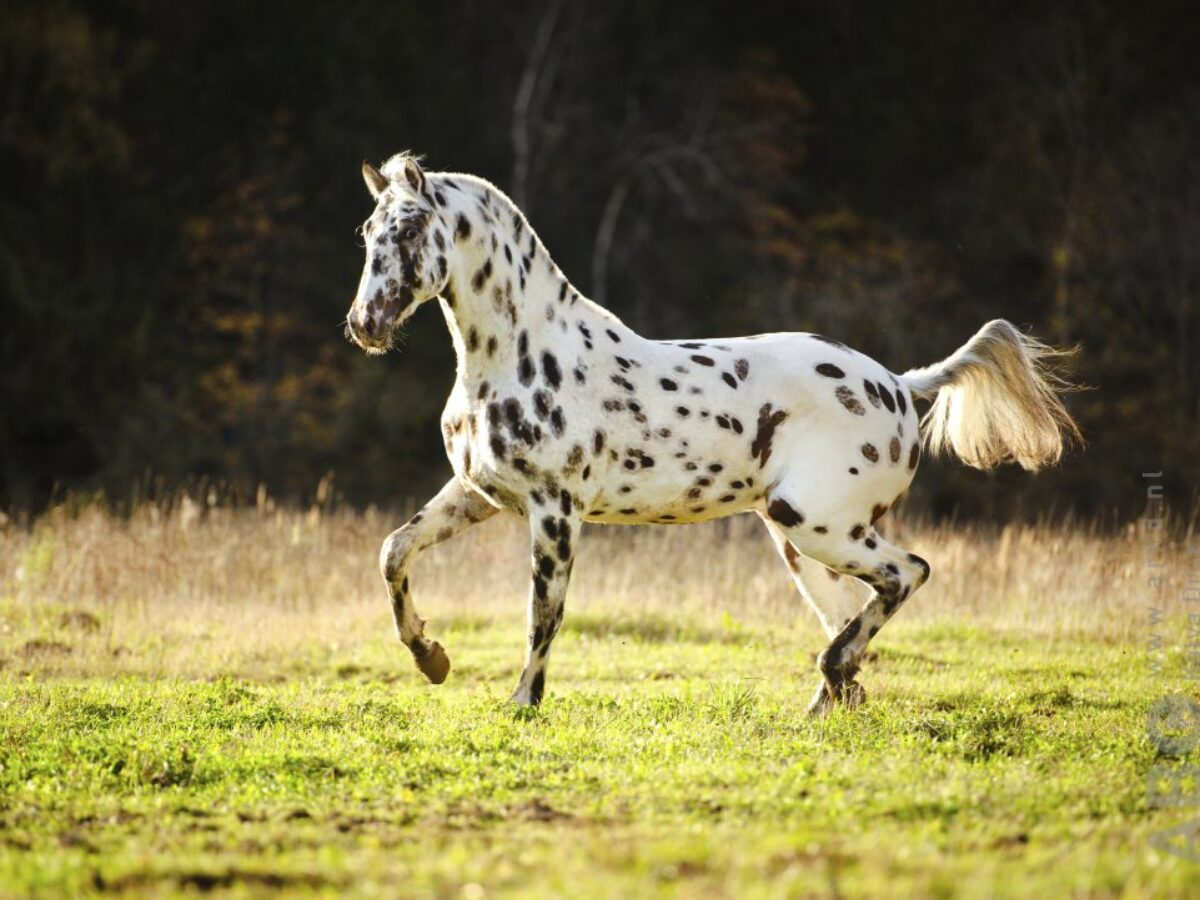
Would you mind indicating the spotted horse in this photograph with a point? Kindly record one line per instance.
(562, 414)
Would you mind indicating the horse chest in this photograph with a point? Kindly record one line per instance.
(506, 439)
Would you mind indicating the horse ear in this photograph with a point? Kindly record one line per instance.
(374, 179)
(413, 174)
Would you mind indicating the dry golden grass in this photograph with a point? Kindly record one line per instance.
(184, 588)
(212, 698)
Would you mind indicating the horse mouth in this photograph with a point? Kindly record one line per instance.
(375, 345)
(385, 337)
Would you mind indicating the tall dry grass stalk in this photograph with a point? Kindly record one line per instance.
(192, 589)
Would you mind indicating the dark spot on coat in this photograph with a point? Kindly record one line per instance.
(622, 382)
(525, 370)
(462, 229)
(537, 687)
(616, 338)
(829, 370)
(550, 370)
(742, 368)
(850, 401)
(894, 449)
(480, 278)
(729, 380)
(857, 532)
(702, 360)
(791, 556)
(768, 421)
(668, 384)
(781, 511)
(877, 512)
(869, 451)
(886, 396)
(914, 454)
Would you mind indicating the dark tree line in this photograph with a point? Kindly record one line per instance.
(181, 191)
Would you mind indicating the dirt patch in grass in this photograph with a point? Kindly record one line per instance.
(42, 648)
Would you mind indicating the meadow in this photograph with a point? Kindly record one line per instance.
(200, 697)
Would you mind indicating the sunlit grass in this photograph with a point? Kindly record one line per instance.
(212, 700)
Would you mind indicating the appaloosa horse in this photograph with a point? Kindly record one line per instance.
(564, 415)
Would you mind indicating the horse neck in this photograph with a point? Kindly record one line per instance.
(503, 283)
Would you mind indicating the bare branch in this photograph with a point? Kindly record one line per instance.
(522, 103)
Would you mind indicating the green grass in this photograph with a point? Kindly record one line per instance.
(666, 761)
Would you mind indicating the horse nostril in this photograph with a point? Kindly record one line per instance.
(369, 326)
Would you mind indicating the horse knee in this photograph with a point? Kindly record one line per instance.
(923, 570)
(393, 555)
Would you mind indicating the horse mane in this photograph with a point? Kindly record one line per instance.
(394, 167)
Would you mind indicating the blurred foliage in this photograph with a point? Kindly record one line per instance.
(177, 241)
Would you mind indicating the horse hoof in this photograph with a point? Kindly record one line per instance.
(848, 693)
(822, 703)
(853, 694)
(433, 662)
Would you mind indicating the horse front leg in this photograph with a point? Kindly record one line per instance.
(554, 527)
(452, 510)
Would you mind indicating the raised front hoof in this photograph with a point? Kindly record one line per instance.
(432, 660)
(827, 697)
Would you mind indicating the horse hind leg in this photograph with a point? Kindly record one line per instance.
(893, 574)
(835, 599)
(858, 551)
(452, 510)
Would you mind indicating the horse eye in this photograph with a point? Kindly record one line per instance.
(410, 234)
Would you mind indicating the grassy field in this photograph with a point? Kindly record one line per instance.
(211, 700)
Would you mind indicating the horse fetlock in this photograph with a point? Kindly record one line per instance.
(838, 665)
